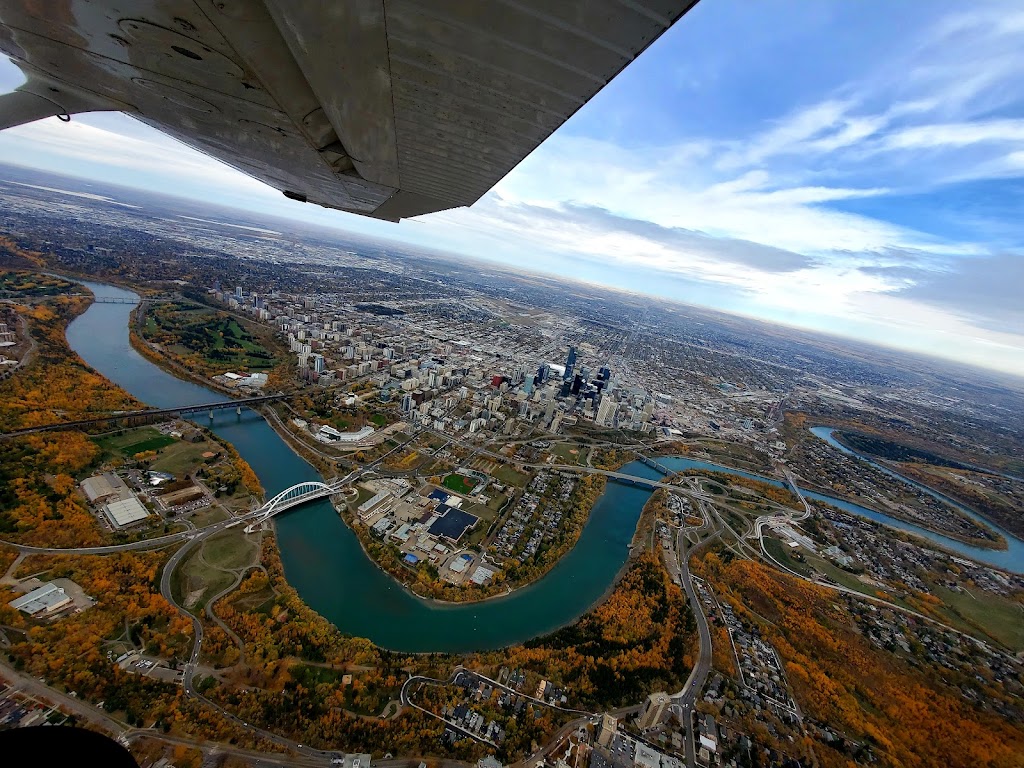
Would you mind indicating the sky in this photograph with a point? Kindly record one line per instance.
(853, 168)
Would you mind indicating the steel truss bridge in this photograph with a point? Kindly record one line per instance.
(149, 413)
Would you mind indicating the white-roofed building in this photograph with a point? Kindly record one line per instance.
(101, 488)
(43, 601)
(372, 505)
(125, 512)
(481, 575)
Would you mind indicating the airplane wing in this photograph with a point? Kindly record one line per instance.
(387, 108)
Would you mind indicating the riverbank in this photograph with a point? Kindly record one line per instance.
(420, 583)
(322, 556)
(435, 591)
(996, 546)
(892, 468)
(1011, 556)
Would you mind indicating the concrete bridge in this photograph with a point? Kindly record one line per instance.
(299, 493)
(643, 482)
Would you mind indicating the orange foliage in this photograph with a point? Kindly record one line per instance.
(912, 718)
(57, 385)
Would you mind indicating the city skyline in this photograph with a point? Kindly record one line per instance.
(869, 195)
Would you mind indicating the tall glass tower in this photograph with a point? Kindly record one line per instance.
(570, 363)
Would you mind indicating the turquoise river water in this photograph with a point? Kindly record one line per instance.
(325, 563)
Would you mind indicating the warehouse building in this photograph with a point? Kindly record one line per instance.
(125, 512)
(100, 489)
(42, 602)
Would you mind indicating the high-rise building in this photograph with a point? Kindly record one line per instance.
(542, 373)
(238, 291)
(570, 364)
(655, 709)
(317, 362)
(609, 726)
(606, 412)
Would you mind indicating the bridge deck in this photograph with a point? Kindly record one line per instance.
(148, 413)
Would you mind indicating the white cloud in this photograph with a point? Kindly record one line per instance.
(755, 215)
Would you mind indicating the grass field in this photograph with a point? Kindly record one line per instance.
(183, 457)
(509, 476)
(207, 570)
(153, 444)
(219, 338)
(999, 618)
(365, 494)
(208, 516)
(195, 582)
(115, 444)
(778, 550)
(839, 576)
(458, 483)
(229, 550)
(258, 602)
(570, 453)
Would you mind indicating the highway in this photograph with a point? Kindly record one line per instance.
(684, 701)
(157, 542)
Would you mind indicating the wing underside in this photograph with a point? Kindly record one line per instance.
(387, 108)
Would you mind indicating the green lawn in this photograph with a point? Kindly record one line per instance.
(118, 442)
(509, 476)
(153, 444)
(780, 552)
(183, 457)
(365, 494)
(839, 576)
(998, 617)
(217, 336)
(458, 483)
(570, 453)
(229, 550)
(194, 582)
(257, 602)
(208, 516)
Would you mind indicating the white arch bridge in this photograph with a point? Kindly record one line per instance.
(292, 497)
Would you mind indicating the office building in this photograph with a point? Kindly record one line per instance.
(570, 364)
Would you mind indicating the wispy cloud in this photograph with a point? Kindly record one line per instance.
(797, 211)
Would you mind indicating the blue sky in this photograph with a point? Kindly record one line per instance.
(849, 167)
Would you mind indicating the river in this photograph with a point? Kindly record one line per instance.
(1011, 558)
(322, 556)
